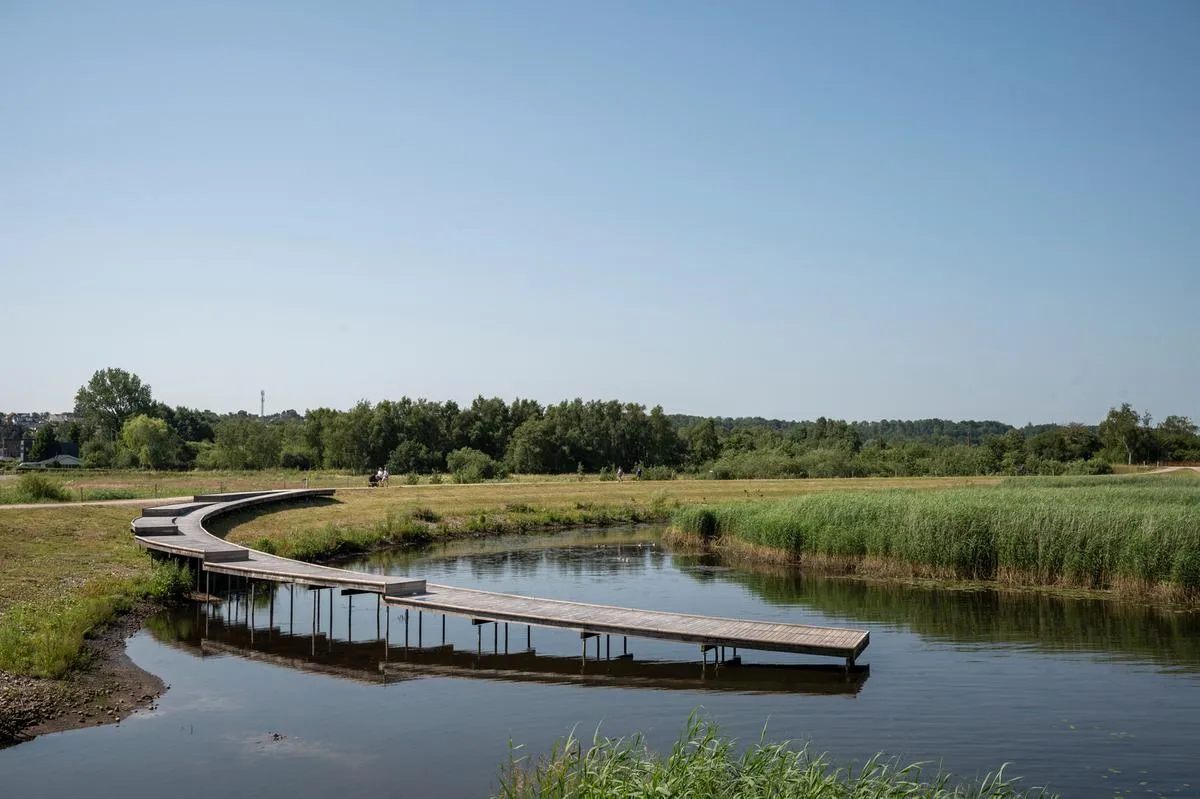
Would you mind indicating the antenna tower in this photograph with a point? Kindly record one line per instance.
(262, 403)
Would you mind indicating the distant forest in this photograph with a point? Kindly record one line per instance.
(119, 424)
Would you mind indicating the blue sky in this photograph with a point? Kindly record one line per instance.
(857, 210)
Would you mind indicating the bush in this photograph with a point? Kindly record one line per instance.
(472, 466)
(169, 580)
(411, 479)
(426, 515)
(295, 459)
(34, 487)
(1094, 466)
(435, 479)
(658, 473)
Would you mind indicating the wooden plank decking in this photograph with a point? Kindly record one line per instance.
(610, 620)
(184, 535)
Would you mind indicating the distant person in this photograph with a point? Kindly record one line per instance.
(620, 474)
(639, 472)
(383, 475)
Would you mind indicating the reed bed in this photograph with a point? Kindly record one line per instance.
(1138, 535)
(703, 764)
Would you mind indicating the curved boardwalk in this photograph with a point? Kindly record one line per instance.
(178, 529)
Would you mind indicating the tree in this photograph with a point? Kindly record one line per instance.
(1121, 430)
(111, 398)
(45, 443)
(703, 444)
(151, 441)
(247, 442)
(1179, 438)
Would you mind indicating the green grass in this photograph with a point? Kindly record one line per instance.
(703, 764)
(65, 570)
(45, 639)
(419, 526)
(1138, 534)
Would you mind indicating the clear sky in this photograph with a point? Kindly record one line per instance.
(859, 210)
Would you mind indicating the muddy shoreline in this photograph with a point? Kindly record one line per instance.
(106, 690)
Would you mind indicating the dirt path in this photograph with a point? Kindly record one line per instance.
(1167, 469)
(143, 501)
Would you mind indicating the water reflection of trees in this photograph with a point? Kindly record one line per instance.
(983, 616)
(524, 565)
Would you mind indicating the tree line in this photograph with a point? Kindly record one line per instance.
(119, 424)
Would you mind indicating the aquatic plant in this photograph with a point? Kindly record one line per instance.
(1133, 535)
(703, 764)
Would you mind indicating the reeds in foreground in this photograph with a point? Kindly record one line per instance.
(703, 764)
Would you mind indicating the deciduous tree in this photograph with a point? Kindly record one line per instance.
(111, 398)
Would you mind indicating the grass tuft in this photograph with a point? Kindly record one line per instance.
(703, 764)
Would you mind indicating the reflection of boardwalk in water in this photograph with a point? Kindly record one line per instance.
(178, 530)
(384, 662)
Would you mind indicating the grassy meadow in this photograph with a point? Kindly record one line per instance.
(1138, 535)
(99, 485)
(404, 514)
(63, 572)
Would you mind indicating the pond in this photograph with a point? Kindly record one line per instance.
(1085, 696)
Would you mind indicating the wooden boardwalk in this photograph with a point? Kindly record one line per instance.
(184, 535)
(179, 530)
(590, 620)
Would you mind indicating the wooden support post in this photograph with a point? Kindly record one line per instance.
(495, 638)
(420, 625)
(583, 637)
(406, 628)
(608, 647)
(387, 629)
(528, 636)
(291, 606)
(350, 619)
(329, 640)
(443, 629)
(271, 612)
(506, 638)
(378, 602)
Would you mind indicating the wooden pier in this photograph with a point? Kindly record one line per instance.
(178, 530)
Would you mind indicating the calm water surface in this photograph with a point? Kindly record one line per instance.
(1090, 698)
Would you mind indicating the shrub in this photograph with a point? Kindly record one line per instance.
(658, 473)
(295, 459)
(34, 487)
(435, 479)
(472, 466)
(169, 580)
(426, 514)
